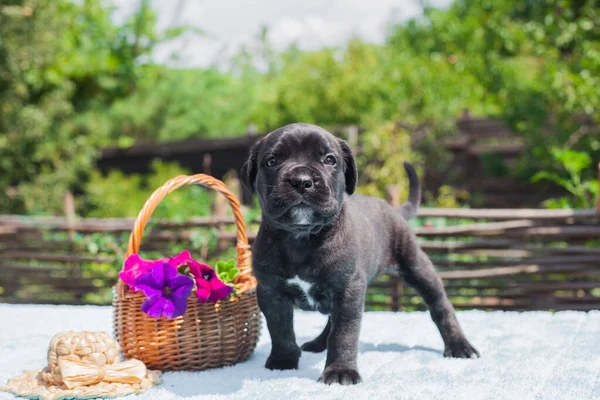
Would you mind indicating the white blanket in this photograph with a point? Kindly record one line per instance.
(533, 355)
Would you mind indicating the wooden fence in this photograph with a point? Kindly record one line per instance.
(506, 259)
(522, 259)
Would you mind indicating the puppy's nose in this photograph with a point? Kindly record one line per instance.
(302, 183)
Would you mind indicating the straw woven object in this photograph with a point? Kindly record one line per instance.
(208, 335)
(94, 370)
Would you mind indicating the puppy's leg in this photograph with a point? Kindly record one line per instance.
(279, 313)
(318, 344)
(417, 270)
(342, 343)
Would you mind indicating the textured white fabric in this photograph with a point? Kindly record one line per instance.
(533, 355)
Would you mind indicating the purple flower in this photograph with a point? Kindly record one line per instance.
(135, 267)
(209, 286)
(167, 291)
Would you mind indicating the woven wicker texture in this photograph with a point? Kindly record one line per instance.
(208, 335)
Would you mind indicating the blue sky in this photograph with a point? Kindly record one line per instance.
(310, 23)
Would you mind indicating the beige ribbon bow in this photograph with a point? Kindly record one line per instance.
(76, 373)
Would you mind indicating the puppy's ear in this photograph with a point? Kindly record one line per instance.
(350, 171)
(250, 167)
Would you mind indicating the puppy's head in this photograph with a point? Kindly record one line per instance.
(300, 173)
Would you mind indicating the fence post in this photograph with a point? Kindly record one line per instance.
(397, 295)
(206, 164)
(69, 209)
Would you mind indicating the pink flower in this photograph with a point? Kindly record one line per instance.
(134, 267)
(183, 258)
(209, 286)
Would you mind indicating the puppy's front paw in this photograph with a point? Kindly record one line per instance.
(282, 364)
(314, 346)
(342, 376)
(461, 349)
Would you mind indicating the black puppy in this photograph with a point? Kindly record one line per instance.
(318, 247)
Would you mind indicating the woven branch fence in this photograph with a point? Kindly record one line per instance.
(500, 259)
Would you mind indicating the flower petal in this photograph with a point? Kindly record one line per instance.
(134, 261)
(170, 273)
(169, 308)
(134, 267)
(128, 278)
(201, 271)
(148, 285)
(181, 259)
(203, 290)
(148, 290)
(154, 306)
(181, 286)
(159, 273)
(218, 290)
(175, 307)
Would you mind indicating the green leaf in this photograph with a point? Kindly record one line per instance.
(565, 183)
(573, 161)
(543, 175)
(226, 271)
(586, 24)
(591, 186)
(233, 273)
(560, 202)
(224, 276)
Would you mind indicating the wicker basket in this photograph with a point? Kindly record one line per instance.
(208, 335)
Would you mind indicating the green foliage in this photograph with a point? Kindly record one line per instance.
(535, 64)
(449, 197)
(62, 63)
(361, 84)
(178, 104)
(584, 192)
(226, 271)
(116, 195)
(383, 149)
(329, 87)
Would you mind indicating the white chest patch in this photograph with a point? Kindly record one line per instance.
(305, 287)
(302, 215)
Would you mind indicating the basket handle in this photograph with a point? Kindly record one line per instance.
(244, 279)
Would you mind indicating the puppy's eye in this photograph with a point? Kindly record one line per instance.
(271, 161)
(330, 160)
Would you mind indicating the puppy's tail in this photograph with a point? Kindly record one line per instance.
(411, 207)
